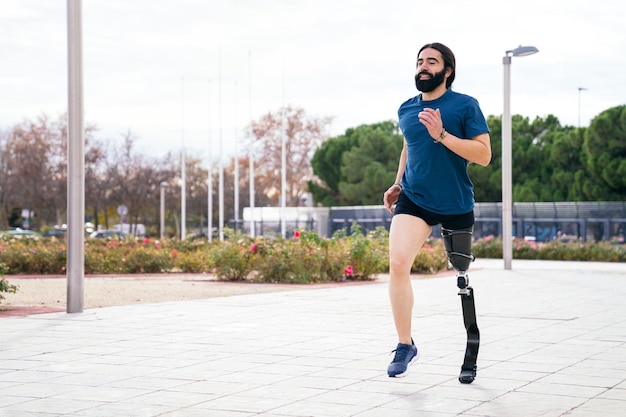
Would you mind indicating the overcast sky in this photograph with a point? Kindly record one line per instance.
(195, 71)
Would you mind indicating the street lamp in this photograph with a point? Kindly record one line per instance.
(163, 187)
(507, 156)
(75, 160)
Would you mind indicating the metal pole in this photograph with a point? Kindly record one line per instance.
(221, 148)
(252, 225)
(236, 175)
(76, 162)
(210, 177)
(283, 164)
(183, 168)
(579, 91)
(163, 187)
(507, 176)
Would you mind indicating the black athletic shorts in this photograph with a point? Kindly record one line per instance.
(447, 221)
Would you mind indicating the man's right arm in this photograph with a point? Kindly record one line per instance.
(391, 195)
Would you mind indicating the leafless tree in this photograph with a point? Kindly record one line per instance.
(302, 134)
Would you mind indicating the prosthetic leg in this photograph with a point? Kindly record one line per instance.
(458, 244)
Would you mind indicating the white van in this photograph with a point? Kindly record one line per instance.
(136, 230)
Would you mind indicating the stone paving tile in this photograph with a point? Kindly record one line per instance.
(553, 343)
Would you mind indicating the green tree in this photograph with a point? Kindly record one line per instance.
(534, 170)
(488, 180)
(568, 171)
(326, 163)
(605, 155)
(356, 168)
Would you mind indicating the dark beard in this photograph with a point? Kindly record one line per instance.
(428, 85)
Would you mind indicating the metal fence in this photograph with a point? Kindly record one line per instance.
(538, 221)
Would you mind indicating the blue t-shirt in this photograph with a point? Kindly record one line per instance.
(436, 178)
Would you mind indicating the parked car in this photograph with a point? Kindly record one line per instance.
(203, 234)
(55, 232)
(19, 233)
(111, 234)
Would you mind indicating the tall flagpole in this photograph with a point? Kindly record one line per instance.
(236, 179)
(251, 149)
(210, 176)
(220, 165)
(183, 170)
(579, 90)
(283, 163)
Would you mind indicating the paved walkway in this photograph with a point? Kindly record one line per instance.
(553, 344)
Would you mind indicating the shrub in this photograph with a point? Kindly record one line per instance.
(33, 256)
(5, 286)
(558, 250)
(231, 260)
(363, 255)
(304, 258)
(148, 260)
(105, 256)
(196, 261)
(431, 258)
(488, 247)
(284, 261)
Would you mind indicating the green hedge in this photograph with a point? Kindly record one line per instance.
(556, 250)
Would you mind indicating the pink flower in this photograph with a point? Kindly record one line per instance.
(296, 234)
(174, 253)
(253, 248)
(348, 271)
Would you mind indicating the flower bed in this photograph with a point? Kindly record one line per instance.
(303, 258)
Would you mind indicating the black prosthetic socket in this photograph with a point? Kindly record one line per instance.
(458, 244)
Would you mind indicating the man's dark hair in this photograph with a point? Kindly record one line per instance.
(448, 59)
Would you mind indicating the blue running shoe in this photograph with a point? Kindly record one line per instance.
(405, 355)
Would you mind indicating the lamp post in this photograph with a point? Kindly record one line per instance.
(507, 156)
(75, 161)
(163, 187)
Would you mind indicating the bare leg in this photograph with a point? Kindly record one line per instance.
(406, 237)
